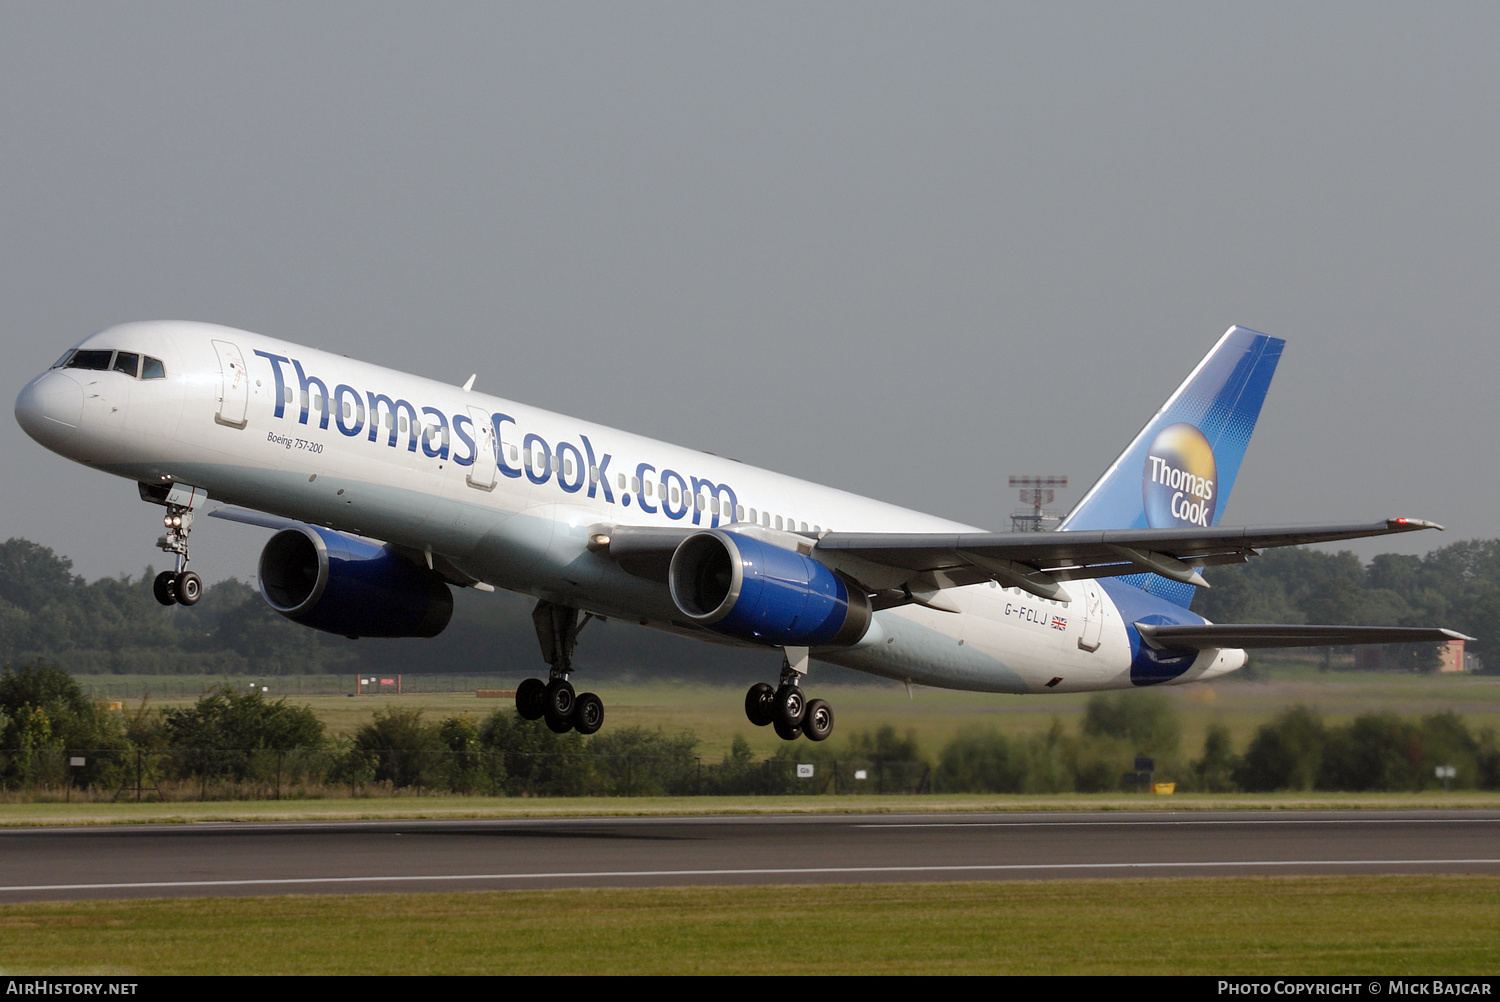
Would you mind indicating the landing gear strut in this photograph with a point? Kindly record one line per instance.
(557, 629)
(179, 585)
(785, 707)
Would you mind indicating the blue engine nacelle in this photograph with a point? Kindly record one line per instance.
(739, 586)
(344, 585)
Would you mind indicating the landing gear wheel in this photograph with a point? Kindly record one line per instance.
(558, 701)
(786, 733)
(188, 588)
(529, 696)
(789, 707)
(588, 713)
(165, 588)
(758, 704)
(817, 722)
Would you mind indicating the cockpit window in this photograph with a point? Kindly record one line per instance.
(89, 359)
(153, 369)
(65, 356)
(127, 362)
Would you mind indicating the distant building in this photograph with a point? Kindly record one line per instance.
(1398, 657)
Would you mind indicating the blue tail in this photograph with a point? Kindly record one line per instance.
(1181, 467)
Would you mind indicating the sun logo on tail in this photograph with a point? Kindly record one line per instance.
(1179, 483)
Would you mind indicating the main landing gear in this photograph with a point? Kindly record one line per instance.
(557, 629)
(785, 707)
(179, 586)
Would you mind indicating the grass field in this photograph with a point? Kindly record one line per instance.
(1365, 925)
(31, 814)
(716, 714)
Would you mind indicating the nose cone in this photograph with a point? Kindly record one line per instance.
(50, 407)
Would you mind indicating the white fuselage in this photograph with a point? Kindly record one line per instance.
(332, 441)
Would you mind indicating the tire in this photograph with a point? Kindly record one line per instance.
(786, 733)
(558, 701)
(758, 704)
(529, 695)
(588, 713)
(165, 588)
(188, 588)
(817, 722)
(790, 706)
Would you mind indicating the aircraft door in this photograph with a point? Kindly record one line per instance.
(234, 386)
(486, 451)
(1093, 616)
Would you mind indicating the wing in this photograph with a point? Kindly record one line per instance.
(1038, 562)
(1248, 636)
(897, 568)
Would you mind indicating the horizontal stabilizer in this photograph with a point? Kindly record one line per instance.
(1249, 636)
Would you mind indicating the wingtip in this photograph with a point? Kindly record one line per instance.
(1403, 523)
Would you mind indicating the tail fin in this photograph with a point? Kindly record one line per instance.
(1180, 469)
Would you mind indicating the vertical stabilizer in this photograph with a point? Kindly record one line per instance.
(1179, 470)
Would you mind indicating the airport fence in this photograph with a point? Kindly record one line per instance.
(237, 774)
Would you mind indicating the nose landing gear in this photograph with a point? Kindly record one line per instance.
(785, 708)
(180, 585)
(557, 629)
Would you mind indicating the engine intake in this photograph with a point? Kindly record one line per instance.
(742, 587)
(344, 585)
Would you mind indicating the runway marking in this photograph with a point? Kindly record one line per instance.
(747, 872)
(1177, 821)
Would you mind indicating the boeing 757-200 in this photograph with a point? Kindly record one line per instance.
(387, 490)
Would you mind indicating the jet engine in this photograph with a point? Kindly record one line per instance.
(739, 586)
(352, 587)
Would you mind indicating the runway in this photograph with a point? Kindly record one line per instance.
(364, 856)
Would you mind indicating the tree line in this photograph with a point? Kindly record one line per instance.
(114, 625)
(235, 741)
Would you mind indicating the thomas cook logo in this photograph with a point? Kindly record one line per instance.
(1180, 479)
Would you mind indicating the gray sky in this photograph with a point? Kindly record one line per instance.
(905, 250)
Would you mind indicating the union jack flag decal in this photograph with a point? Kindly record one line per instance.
(1058, 623)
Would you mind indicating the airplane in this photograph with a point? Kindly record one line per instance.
(386, 490)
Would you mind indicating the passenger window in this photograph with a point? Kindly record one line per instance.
(568, 466)
(675, 495)
(765, 519)
(515, 454)
(778, 521)
(817, 528)
(650, 489)
(754, 517)
(127, 362)
(91, 359)
(635, 484)
(739, 513)
(804, 527)
(403, 424)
